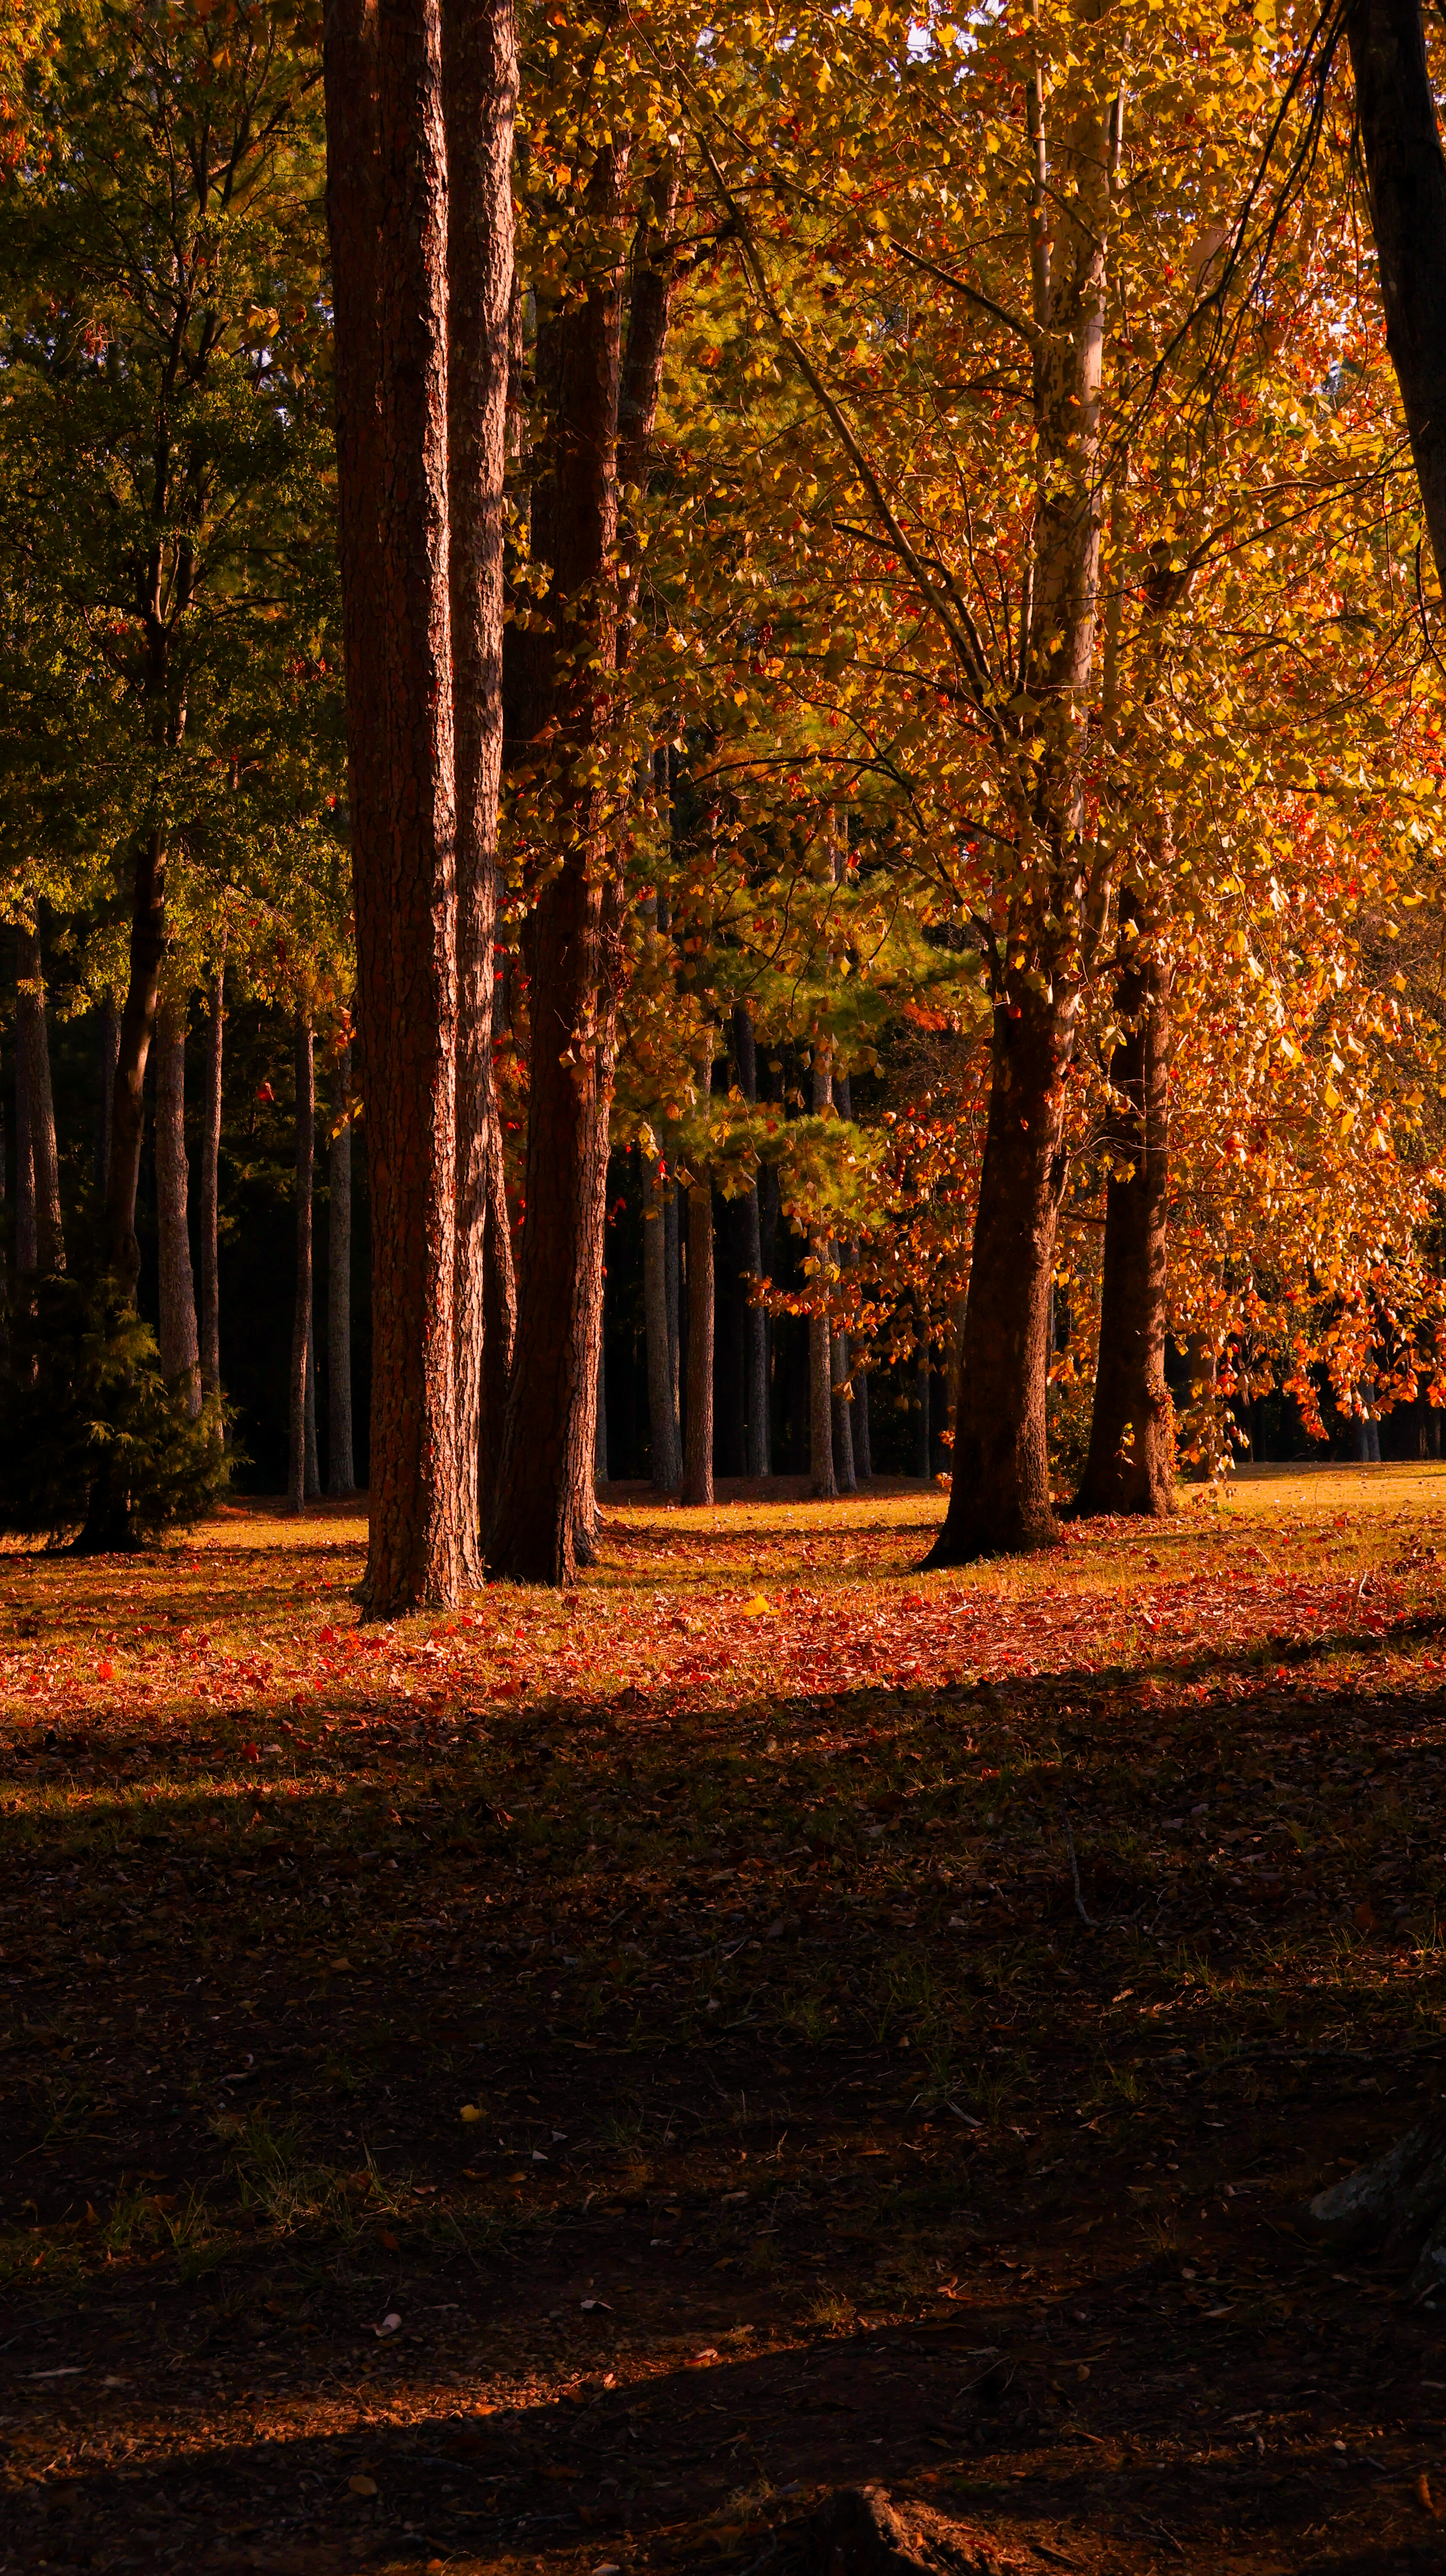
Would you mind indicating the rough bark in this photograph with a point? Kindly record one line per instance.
(340, 1447)
(36, 1113)
(387, 212)
(301, 1308)
(573, 948)
(665, 1446)
(178, 1338)
(137, 1028)
(1130, 1464)
(107, 1048)
(999, 1494)
(211, 1194)
(1406, 178)
(479, 65)
(698, 1448)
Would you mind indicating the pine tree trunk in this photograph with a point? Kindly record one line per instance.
(178, 1338)
(573, 947)
(137, 1027)
(1130, 1464)
(211, 1196)
(698, 1450)
(387, 211)
(340, 1450)
(301, 1309)
(665, 1449)
(37, 1109)
(480, 91)
(107, 1047)
(1406, 178)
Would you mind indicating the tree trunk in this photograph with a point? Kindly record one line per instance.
(36, 1109)
(499, 1322)
(999, 1496)
(137, 1027)
(750, 1265)
(479, 64)
(1130, 1466)
(600, 1419)
(673, 1274)
(1406, 177)
(178, 1338)
(313, 1461)
(340, 1449)
(211, 1197)
(108, 1046)
(698, 1453)
(665, 1447)
(545, 1472)
(301, 1310)
(923, 1429)
(843, 1433)
(387, 211)
(822, 1478)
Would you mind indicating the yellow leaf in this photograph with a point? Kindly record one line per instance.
(758, 1607)
(470, 2113)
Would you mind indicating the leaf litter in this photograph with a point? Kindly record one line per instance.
(893, 2034)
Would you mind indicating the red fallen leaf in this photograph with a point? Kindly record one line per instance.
(105, 1672)
(391, 2242)
(252, 1752)
(1366, 1915)
(265, 1093)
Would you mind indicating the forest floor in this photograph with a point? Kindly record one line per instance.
(560, 2088)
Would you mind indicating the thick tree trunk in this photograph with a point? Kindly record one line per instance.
(178, 1338)
(301, 1309)
(480, 91)
(545, 1472)
(107, 1048)
(999, 1496)
(36, 1107)
(1130, 1465)
(843, 1430)
(387, 211)
(698, 1450)
(340, 1447)
(137, 1027)
(1406, 176)
(665, 1446)
(923, 1428)
(211, 1196)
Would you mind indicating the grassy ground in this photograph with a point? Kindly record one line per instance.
(557, 2088)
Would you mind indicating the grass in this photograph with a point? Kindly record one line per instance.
(734, 1895)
